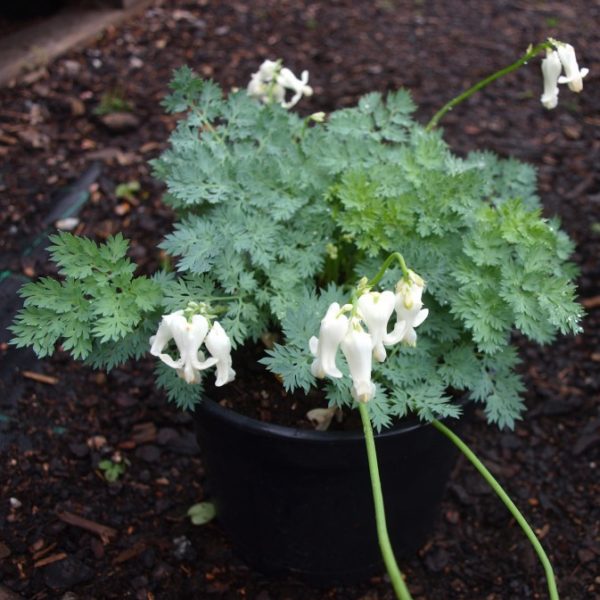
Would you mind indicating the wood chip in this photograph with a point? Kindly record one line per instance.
(37, 555)
(104, 532)
(144, 433)
(41, 378)
(4, 551)
(593, 302)
(129, 553)
(49, 560)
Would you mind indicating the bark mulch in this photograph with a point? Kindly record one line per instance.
(67, 533)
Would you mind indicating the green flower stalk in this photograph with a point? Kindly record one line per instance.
(400, 587)
(514, 511)
(374, 310)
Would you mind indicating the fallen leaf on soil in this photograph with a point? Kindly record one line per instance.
(202, 513)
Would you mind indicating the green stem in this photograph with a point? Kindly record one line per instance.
(398, 584)
(507, 501)
(485, 82)
(384, 267)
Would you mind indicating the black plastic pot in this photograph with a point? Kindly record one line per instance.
(299, 502)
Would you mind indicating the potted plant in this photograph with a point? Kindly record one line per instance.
(296, 237)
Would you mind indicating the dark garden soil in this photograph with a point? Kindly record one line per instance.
(67, 533)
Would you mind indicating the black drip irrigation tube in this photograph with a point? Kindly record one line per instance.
(68, 203)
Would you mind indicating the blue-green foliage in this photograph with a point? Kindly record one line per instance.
(273, 208)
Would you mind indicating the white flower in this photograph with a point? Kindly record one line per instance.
(376, 309)
(574, 75)
(263, 84)
(409, 311)
(551, 68)
(188, 336)
(269, 83)
(219, 345)
(357, 347)
(324, 348)
(298, 86)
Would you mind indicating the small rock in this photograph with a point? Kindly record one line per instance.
(71, 67)
(185, 444)
(139, 582)
(120, 122)
(166, 435)
(436, 560)
(161, 571)
(96, 442)
(34, 138)
(66, 573)
(452, 516)
(79, 450)
(182, 547)
(76, 105)
(148, 452)
(4, 551)
(15, 503)
(126, 400)
(67, 224)
(585, 555)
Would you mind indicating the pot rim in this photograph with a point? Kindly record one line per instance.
(252, 425)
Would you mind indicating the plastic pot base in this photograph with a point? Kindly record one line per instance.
(299, 502)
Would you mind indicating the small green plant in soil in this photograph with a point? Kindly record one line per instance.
(113, 469)
(112, 102)
(279, 219)
(128, 190)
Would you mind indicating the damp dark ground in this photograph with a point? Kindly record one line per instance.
(137, 541)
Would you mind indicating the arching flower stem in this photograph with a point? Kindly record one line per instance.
(396, 256)
(531, 52)
(514, 511)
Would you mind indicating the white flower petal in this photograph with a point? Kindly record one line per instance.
(188, 336)
(219, 345)
(357, 347)
(409, 309)
(551, 68)
(376, 309)
(333, 328)
(574, 75)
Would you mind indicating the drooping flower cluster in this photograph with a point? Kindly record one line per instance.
(557, 60)
(271, 81)
(189, 334)
(374, 310)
